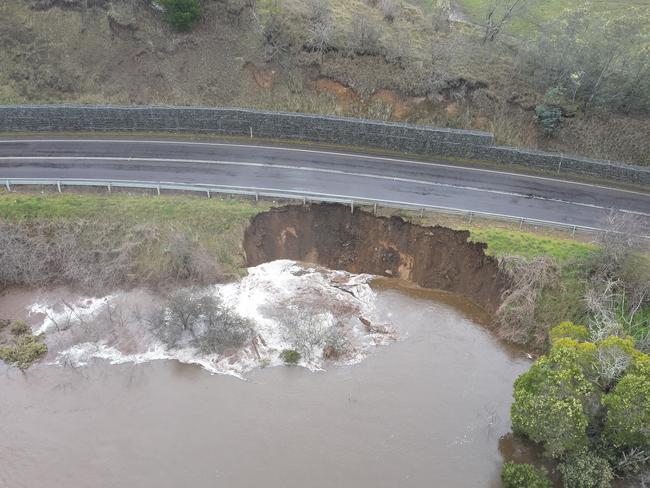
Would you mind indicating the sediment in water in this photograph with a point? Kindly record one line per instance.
(359, 242)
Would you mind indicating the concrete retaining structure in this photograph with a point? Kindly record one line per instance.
(464, 144)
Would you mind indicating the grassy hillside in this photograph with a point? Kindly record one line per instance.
(382, 59)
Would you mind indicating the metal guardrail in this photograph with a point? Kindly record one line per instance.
(302, 196)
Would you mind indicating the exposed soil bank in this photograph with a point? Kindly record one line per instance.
(359, 242)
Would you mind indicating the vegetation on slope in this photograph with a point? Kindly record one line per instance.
(583, 67)
(103, 242)
(588, 404)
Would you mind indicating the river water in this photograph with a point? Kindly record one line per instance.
(425, 403)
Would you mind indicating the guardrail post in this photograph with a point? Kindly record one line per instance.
(573, 232)
(304, 201)
(421, 213)
(521, 223)
(257, 197)
(208, 192)
(109, 187)
(251, 128)
(8, 186)
(352, 206)
(158, 188)
(58, 185)
(374, 211)
(471, 216)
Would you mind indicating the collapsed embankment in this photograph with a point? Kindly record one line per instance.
(359, 242)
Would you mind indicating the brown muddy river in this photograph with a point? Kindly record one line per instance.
(425, 410)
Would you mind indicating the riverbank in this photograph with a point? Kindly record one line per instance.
(187, 240)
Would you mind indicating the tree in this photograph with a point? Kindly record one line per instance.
(569, 330)
(517, 321)
(549, 118)
(182, 14)
(201, 319)
(628, 409)
(598, 56)
(320, 27)
(498, 14)
(584, 469)
(523, 476)
(552, 399)
(363, 37)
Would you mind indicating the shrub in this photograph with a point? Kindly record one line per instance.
(551, 399)
(290, 356)
(182, 14)
(569, 330)
(23, 352)
(548, 118)
(523, 476)
(585, 469)
(19, 327)
(628, 410)
(363, 37)
(199, 318)
(390, 9)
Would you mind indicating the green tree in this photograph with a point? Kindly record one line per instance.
(569, 330)
(549, 119)
(628, 409)
(523, 476)
(585, 469)
(551, 399)
(182, 14)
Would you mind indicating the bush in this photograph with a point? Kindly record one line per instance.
(523, 476)
(363, 37)
(390, 9)
(182, 14)
(290, 356)
(551, 400)
(23, 352)
(199, 318)
(585, 469)
(548, 118)
(569, 330)
(19, 327)
(628, 410)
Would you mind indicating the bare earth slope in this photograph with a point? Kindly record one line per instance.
(331, 235)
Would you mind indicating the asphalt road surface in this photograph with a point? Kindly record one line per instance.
(318, 171)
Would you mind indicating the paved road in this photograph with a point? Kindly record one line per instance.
(297, 169)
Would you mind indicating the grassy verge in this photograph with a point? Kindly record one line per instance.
(217, 223)
(212, 226)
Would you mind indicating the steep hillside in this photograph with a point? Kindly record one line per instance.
(373, 59)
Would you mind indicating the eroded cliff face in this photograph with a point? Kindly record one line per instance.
(333, 236)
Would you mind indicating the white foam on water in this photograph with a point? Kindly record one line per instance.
(59, 314)
(336, 297)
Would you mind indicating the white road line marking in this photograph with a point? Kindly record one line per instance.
(330, 153)
(314, 170)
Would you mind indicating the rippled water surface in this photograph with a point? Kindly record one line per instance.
(427, 409)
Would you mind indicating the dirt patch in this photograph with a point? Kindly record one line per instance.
(402, 107)
(331, 235)
(346, 98)
(264, 77)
